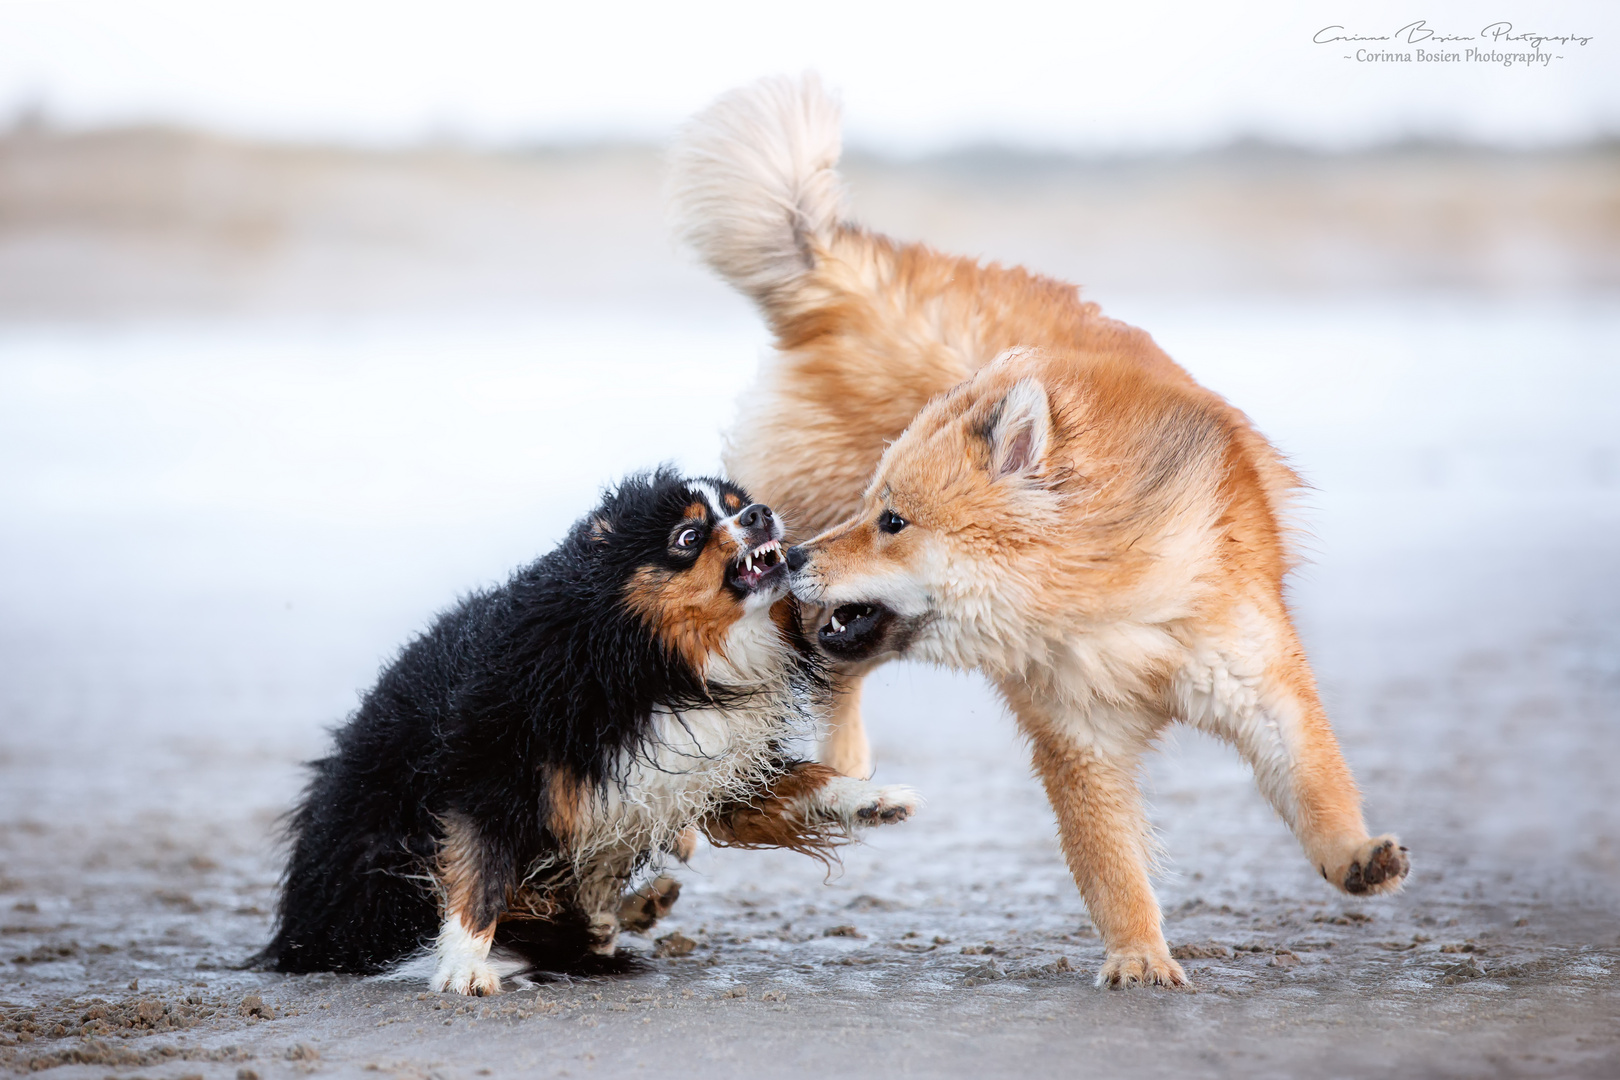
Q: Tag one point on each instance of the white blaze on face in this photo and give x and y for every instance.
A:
(755, 555)
(712, 497)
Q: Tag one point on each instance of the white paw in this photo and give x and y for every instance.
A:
(464, 966)
(462, 975)
(856, 802)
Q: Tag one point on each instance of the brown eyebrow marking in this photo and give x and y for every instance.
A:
(732, 502)
(699, 510)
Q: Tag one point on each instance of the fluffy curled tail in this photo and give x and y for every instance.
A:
(754, 183)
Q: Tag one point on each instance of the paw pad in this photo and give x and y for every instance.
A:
(1384, 863)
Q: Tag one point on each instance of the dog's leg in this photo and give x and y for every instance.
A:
(601, 896)
(855, 803)
(845, 747)
(641, 910)
(1267, 707)
(1091, 782)
(807, 808)
(473, 878)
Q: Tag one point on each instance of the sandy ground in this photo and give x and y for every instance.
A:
(212, 532)
(138, 876)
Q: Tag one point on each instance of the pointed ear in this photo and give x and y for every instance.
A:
(1018, 430)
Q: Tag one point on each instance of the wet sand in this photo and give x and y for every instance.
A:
(138, 876)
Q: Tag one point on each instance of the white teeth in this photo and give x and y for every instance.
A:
(838, 627)
(768, 548)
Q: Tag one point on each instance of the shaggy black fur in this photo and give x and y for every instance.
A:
(547, 674)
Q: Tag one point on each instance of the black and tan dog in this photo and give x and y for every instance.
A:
(522, 762)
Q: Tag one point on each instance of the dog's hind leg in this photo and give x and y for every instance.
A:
(1259, 695)
(474, 878)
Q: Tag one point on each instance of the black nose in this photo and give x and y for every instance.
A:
(757, 516)
(796, 558)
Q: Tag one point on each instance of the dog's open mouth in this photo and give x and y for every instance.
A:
(755, 568)
(854, 629)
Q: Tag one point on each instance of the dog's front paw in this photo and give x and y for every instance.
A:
(460, 975)
(1145, 965)
(889, 805)
(857, 803)
(1378, 866)
(603, 931)
(641, 910)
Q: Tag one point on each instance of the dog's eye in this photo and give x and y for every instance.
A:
(891, 522)
(688, 539)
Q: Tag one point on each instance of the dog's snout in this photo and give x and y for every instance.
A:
(757, 516)
(796, 558)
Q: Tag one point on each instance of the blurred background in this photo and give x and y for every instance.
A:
(314, 316)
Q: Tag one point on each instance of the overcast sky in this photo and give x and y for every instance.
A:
(1122, 75)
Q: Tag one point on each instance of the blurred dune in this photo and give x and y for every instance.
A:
(152, 222)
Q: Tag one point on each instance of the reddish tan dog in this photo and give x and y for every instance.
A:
(998, 478)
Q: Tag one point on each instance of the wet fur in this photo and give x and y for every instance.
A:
(520, 762)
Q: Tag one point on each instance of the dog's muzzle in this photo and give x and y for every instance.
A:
(851, 631)
(856, 631)
(758, 565)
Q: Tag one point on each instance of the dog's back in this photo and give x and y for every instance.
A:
(364, 834)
